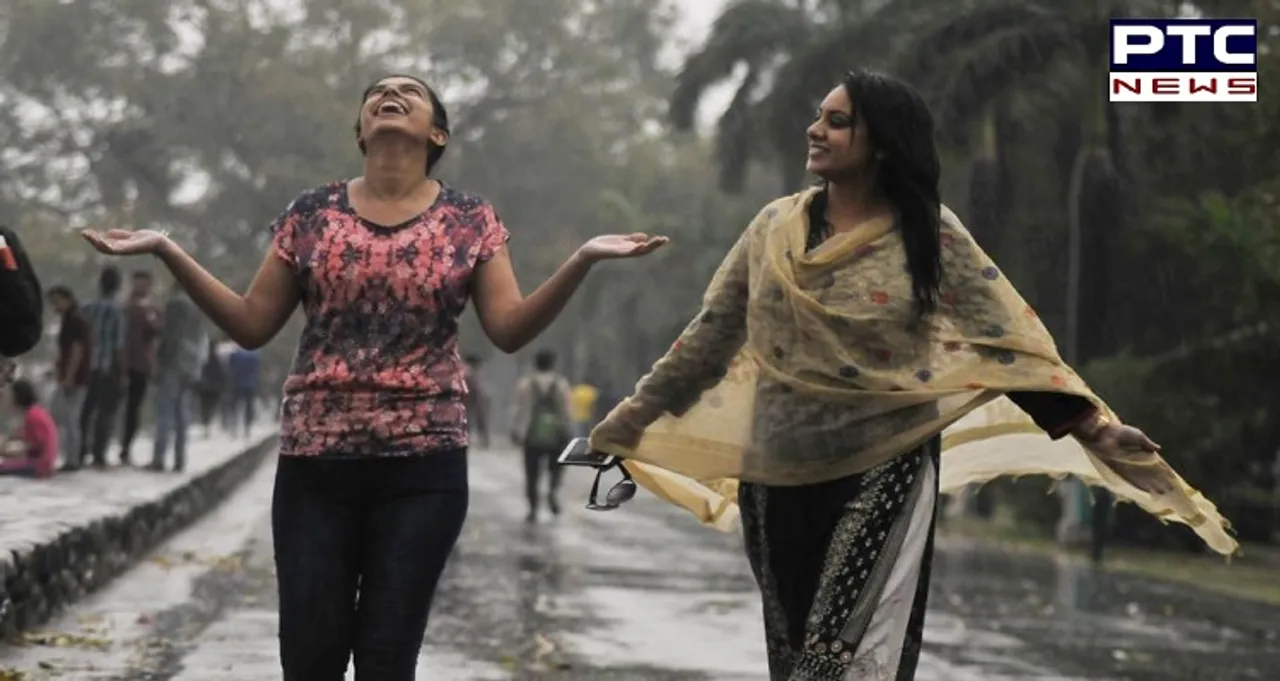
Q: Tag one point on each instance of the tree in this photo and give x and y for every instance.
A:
(556, 104)
(785, 55)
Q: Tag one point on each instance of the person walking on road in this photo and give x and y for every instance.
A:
(142, 326)
(584, 396)
(477, 399)
(244, 367)
(211, 388)
(542, 426)
(107, 326)
(180, 354)
(226, 404)
(70, 372)
(371, 483)
(850, 324)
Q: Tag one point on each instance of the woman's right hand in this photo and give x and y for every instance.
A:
(625, 425)
(126, 242)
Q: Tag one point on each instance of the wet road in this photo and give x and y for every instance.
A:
(638, 594)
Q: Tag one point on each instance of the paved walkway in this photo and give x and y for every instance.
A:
(34, 511)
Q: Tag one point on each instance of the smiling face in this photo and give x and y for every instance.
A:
(838, 140)
(399, 106)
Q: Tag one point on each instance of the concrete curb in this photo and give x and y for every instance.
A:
(36, 583)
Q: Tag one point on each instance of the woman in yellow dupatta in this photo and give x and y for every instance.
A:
(848, 327)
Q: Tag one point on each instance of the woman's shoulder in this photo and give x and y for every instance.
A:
(317, 198)
(952, 226)
(463, 201)
(791, 202)
(780, 210)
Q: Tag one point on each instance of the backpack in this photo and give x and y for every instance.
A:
(547, 428)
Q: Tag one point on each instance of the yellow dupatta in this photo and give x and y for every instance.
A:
(807, 366)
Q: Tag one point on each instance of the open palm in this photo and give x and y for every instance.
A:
(124, 241)
(609, 246)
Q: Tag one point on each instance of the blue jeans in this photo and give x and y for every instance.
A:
(172, 417)
(360, 545)
(65, 408)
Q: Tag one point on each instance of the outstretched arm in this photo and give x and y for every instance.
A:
(509, 318)
(988, 303)
(1058, 414)
(251, 319)
(700, 357)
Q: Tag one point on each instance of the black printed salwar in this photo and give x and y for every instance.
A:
(843, 569)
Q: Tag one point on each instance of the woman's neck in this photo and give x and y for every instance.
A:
(852, 203)
(395, 171)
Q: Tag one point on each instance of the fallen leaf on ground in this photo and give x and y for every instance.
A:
(64, 640)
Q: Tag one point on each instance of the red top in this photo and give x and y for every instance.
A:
(377, 372)
(41, 438)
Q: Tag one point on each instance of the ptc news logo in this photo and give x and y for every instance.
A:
(1184, 60)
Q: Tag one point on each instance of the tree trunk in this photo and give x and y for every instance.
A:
(1092, 219)
(986, 219)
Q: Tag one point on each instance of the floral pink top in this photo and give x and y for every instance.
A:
(377, 371)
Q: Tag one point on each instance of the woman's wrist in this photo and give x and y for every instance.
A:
(636, 414)
(581, 259)
(1091, 428)
(167, 249)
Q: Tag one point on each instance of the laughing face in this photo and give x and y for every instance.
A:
(399, 106)
(837, 139)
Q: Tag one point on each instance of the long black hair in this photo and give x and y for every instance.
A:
(900, 134)
(440, 117)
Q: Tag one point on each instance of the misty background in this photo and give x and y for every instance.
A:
(581, 117)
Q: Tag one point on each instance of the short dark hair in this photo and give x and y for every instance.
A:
(109, 280)
(61, 291)
(545, 360)
(24, 393)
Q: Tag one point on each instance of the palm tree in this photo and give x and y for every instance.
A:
(787, 54)
(1059, 49)
(991, 51)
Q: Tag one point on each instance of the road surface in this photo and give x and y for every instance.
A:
(642, 593)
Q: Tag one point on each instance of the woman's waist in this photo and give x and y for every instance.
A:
(373, 396)
(390, 383)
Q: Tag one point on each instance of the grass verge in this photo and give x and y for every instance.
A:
(1243, 577)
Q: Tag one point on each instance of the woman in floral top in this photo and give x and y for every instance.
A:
(371, 488)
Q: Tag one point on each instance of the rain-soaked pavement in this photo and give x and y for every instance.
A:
(638, 594)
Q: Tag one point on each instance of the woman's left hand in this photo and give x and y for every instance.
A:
(1127, 451)
(1121, 439)
(609, 246)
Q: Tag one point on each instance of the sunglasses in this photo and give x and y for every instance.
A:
(621, 492)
